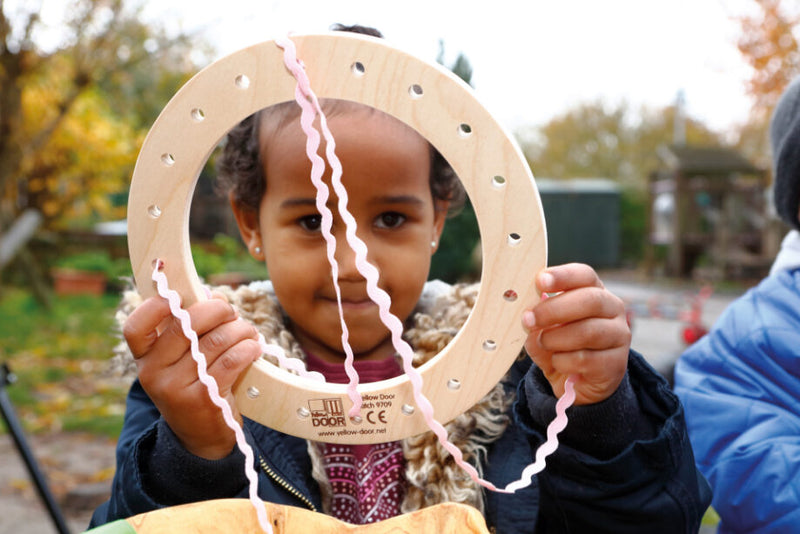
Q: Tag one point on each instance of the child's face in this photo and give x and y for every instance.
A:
(386, 172)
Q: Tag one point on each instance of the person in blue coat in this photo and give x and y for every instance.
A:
(740, 384)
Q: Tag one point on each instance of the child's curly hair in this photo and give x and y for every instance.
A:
(240, 169)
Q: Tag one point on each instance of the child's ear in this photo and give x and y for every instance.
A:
(248, 222)
(439, 216)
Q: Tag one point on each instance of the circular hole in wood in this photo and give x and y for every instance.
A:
(415, 91)
(242, 81)
(358, 68)
(198, 115)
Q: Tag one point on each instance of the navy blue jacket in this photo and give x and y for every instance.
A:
(624, 465)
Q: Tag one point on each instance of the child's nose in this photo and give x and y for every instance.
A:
(346, 258)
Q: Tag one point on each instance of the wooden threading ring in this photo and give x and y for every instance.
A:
(441, 108)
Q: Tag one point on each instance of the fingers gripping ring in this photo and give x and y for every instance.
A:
(442, 109)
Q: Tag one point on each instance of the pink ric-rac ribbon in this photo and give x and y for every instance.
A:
(308, 112)
(310, 106)
(182, 315)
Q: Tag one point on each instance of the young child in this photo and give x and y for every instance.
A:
(741, 384)
(624, 463)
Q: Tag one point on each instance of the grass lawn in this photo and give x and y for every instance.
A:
(59, 357)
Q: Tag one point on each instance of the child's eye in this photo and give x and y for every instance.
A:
(310, 223)
(390, 219)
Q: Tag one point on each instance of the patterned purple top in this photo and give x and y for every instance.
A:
(367, 480)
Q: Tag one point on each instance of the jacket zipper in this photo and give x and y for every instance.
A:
(285, 485)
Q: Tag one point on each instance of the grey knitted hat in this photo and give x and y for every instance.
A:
(784, 134)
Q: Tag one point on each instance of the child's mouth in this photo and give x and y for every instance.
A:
(353, 304)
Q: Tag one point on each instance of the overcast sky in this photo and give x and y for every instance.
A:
(531, 59)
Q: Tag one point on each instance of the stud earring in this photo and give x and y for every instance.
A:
(257, 250)
(433, 244)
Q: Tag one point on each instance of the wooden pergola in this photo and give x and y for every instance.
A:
(707, 206)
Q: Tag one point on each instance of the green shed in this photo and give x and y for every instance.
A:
(583, 220)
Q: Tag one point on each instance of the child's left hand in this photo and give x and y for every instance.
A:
(582, 331)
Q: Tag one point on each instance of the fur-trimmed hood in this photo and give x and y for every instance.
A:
(431, 473)
(789, 256)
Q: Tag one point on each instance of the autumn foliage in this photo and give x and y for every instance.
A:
(768, 45)
(84, 161)
(75, 107)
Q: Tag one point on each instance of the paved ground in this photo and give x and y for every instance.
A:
(659, 338)
(79, 468)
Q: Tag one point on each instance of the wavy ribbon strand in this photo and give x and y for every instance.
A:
(308, 113)
(305, 96)
(182, 315)
(290, 364)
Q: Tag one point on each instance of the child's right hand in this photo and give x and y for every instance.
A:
(168, 373)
